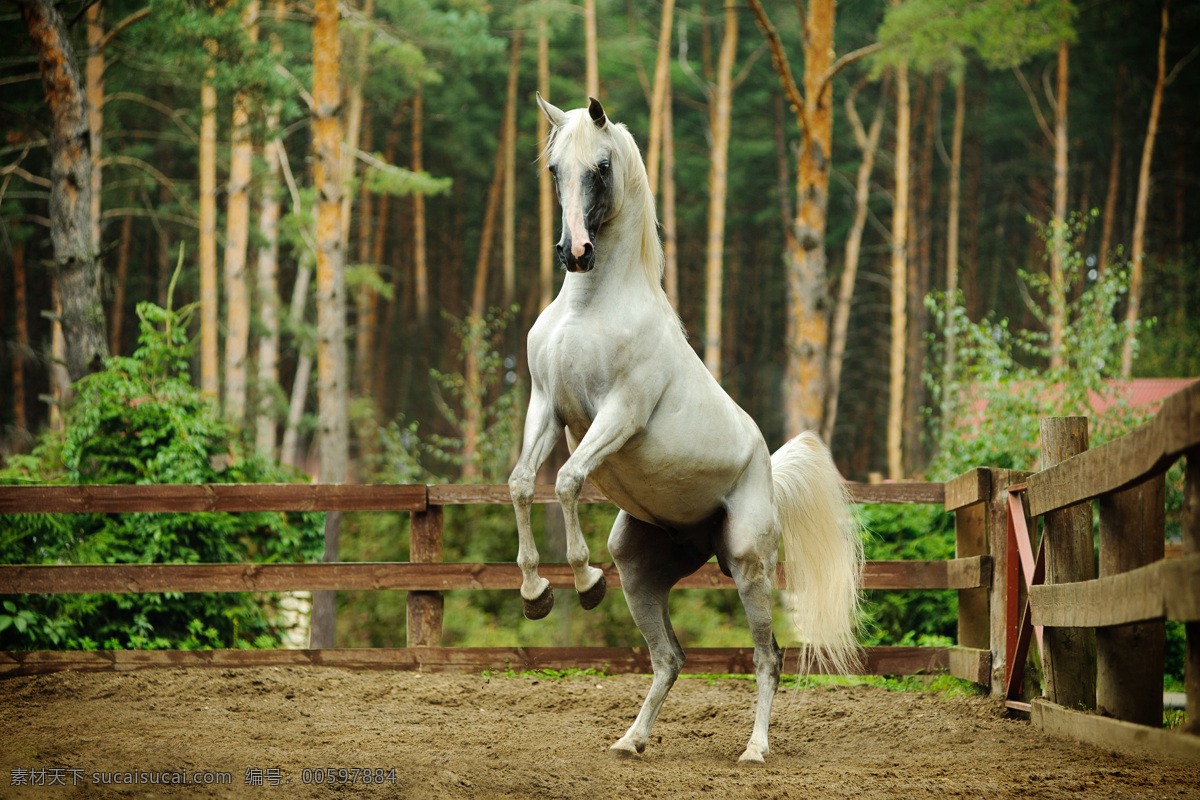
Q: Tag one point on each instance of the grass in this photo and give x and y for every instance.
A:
(546, 674)
(941, 683)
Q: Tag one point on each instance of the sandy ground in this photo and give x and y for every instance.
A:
(278, 732)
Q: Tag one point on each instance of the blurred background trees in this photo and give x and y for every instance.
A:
(205, 122)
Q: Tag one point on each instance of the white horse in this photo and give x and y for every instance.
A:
(644, 419)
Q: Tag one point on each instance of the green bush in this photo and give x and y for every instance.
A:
(140, 421)
(909, 533)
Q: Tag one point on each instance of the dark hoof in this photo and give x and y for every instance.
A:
(539, 608)
(592, 597)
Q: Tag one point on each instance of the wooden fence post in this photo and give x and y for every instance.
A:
(997, 526)
(1130, 657)
(1070, 657)
(1191, 546)
(971, 539)
(425, 608)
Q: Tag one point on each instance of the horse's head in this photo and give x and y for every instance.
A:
(587, 157)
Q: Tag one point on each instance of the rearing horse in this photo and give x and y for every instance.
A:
(644, 419)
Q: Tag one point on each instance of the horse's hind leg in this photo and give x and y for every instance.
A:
(650, 564)
(750, 545)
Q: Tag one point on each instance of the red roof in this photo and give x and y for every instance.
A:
(1146, 394)
(1142, 392)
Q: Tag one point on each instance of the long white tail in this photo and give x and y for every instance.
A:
(823, 554)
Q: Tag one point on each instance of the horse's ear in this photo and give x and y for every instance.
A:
(596, 111)
(553, 113)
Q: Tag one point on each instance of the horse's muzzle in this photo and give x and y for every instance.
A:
(573, 263)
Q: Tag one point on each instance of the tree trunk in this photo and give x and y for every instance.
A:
(669, 223)
(972, 182)
(289, 448)
(1138, 248)
(332, 418)
(364, 295)
(22, 328)
(268, 290)
(807, 337)
(591, 48)
(353, 119)
(721, 103)
(379, 336)
(956, 148)
(60, 379)
(662, 80)
(420, 266)
(783, 171)
(546, 230)
(95, 110)
(163, 253)
(472, 411)
(1114, 174)
(808, 333)
(508, 242)
(1058, 225)
(920, 269)
(868, 142)
(75, 259)
(210, 382)
(119, 281)
(267, 278)
(237, 244)
(899, 279)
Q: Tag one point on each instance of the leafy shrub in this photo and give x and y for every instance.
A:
(140, 421)
(909, 533)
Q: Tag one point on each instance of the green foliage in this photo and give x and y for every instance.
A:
(944, 34)
(986, 409)
(140, 421)
(1171, 347)
(384, 178)
(909, 533)
(496, 399)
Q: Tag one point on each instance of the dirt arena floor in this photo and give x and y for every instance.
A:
(290, 732)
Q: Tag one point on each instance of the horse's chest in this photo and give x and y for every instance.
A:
(578, 374)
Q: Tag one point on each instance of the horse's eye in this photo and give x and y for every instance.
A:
(553, 170)
(603, 167)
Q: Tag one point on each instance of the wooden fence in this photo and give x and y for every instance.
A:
(1102, 646)
(425, 577)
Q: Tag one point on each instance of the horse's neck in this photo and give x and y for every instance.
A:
(619, 277)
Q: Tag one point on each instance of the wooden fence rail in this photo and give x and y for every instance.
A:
(425, 578)
(962, 573)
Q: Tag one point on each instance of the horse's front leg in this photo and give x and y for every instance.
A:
(541, 431)
(608, 433)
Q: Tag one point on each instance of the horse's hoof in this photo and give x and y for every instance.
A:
(592, 597)
(752, 756)
(623, 749)
(539, 608)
